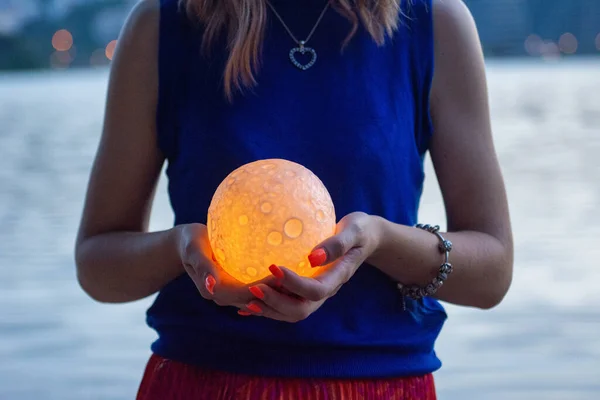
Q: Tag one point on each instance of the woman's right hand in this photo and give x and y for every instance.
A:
(212, 281)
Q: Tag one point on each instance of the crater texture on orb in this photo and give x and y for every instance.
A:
(269, 212)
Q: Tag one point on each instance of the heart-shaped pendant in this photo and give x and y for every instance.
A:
(303, 50)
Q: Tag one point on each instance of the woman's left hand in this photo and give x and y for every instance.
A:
(357, 237)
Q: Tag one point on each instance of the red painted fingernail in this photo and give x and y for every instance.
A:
(317, 257)
(244, 313)
(276, 271)
(254, 308)
(255, 290)
(210, 283)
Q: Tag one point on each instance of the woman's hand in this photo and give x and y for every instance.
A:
(212, 281)
(356, 239)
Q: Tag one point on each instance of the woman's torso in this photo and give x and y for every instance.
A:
(359, 120)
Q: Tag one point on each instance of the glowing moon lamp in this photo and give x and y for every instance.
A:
(269, 212)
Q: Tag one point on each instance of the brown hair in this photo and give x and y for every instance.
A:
(244, 23)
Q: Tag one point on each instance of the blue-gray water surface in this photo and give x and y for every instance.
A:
(543, 342)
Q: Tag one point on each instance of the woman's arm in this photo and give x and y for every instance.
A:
(467, 168)
(116, 259)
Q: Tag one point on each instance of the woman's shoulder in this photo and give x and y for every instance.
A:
(142, 25)
(148, 16)
(146, 13)
(153, 27)
(138, 38)
(446, 25)
(451, 15)
(456, 36)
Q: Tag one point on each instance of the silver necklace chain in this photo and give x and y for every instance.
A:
(289, 31)
(302, 49)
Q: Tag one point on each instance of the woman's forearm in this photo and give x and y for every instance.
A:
(119, 267)
(482, 263)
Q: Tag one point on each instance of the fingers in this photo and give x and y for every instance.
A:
(260, 309)
(196, 257)
(280, 302)
(336, 246)
(327, 281)
(272, 304)
(229, 291)
(307, 288)
(204, 276)
(215, 284)
(340, 271)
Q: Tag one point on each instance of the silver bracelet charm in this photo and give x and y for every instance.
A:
(415, 292)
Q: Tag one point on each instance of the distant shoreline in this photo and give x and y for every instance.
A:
(582, 61)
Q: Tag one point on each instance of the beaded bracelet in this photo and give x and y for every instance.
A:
(415, 292)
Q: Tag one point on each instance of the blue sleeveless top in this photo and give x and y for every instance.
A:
(359, 119)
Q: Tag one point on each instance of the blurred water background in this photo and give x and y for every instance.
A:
(543, 342)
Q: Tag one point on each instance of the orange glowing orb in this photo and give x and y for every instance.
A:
(269, 212)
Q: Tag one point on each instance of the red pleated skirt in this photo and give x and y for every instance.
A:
(170, 380)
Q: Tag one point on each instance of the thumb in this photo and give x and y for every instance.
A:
(203, 272)
(199, 261)
(332, 248)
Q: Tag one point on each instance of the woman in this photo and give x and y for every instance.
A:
(215, 84)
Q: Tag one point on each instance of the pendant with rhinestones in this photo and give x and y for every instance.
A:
(301, 49)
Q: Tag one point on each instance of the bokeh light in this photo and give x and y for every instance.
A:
(568, 43)
(60, 59)
(533, 45)
(110, 49)
(62, 40)
(550, 51)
